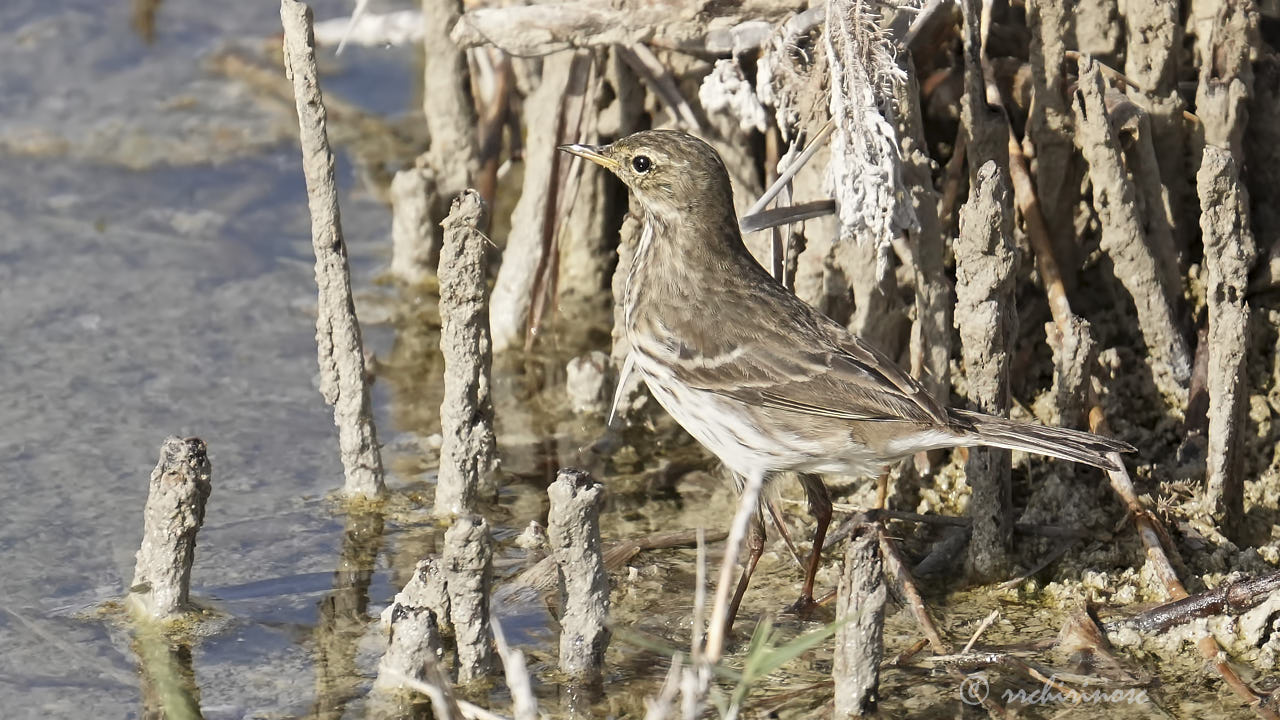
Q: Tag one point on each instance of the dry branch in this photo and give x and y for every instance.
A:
(1233, 598)
(340, 348)
(545, 28)
(1159, 547)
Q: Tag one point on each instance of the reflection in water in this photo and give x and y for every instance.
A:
(169, 690)
(344, 615)
(143, 19)
(579, 697)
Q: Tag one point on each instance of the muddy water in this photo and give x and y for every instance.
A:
(155, 279)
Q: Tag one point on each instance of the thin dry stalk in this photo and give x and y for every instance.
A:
(982, 627)
(343, 382)
(663, 706)
(524, 704)
(747, 507)
(788, 173)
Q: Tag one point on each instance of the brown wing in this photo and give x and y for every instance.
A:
(783, 354)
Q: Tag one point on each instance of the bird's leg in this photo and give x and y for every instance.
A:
(782, 530)
(755, 548)
(882, 490)
(820, 508)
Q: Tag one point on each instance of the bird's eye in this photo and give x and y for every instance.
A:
(641, 163)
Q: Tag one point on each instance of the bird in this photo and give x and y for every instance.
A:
(764, 381)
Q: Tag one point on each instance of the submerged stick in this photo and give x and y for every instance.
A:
(468, 453)
(860, 638)
(573, 525)
(468, 566)
(986, 260)
(340, 348)
(179, 488)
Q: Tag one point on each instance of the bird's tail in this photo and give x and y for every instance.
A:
(1074, 445)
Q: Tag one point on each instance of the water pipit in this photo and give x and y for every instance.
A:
(764, 381)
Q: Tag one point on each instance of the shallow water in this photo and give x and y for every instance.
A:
(156, 279)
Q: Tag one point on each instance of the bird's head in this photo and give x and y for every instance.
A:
(672, 174)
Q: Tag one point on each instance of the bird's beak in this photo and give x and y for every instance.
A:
(591, 153)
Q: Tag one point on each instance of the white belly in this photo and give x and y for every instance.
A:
(732, 432)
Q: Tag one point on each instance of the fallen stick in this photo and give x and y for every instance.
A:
(1232, 598)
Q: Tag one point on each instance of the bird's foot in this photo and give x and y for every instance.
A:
(803, 607)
